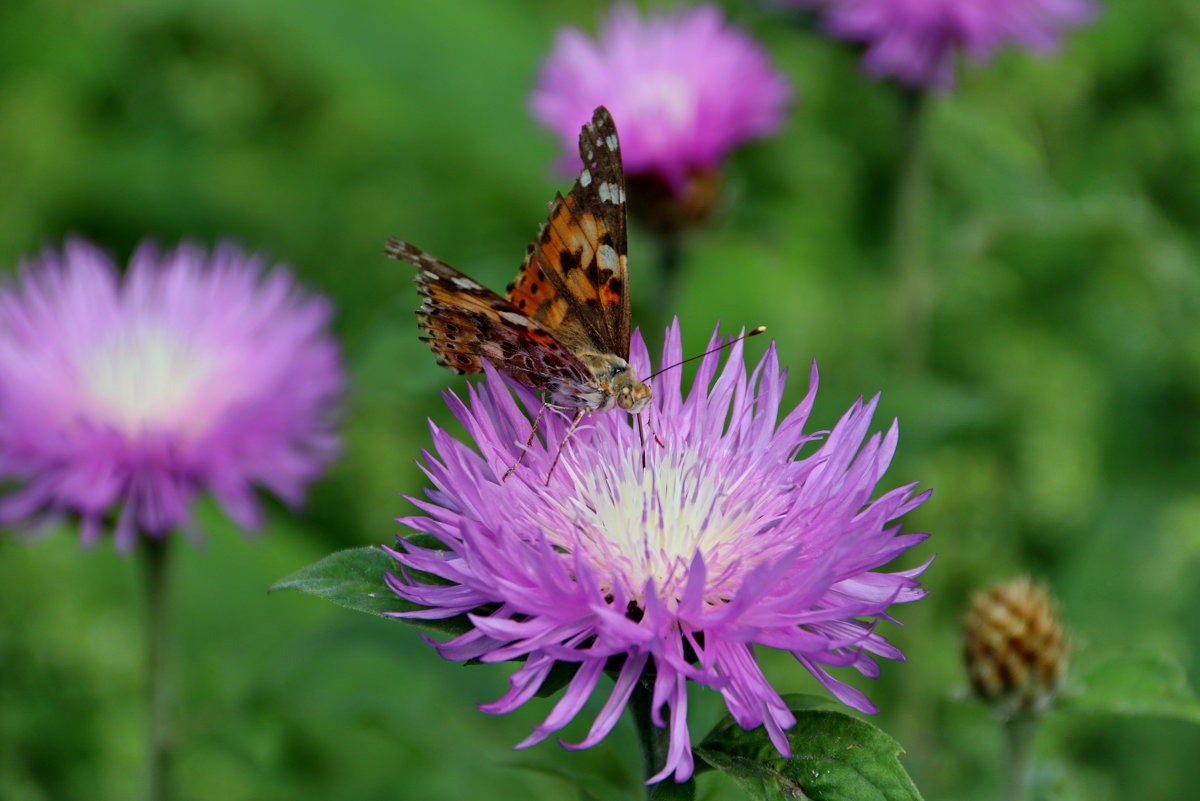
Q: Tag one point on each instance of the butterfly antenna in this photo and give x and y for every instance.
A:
(722, 346)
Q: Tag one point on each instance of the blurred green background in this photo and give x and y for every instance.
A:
(1057, 416)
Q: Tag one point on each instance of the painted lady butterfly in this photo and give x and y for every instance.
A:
(564, 328)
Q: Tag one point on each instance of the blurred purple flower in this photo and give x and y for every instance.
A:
(684, 89)
(680, 559)
(917, 41)
(121, 398)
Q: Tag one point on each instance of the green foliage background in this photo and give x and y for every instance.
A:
(1057, 417)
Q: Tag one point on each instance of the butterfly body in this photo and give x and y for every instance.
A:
(564, 327)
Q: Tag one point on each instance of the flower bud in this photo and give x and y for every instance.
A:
(667, 211)
(1015, 647)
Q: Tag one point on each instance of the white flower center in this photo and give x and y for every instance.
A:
(639, 524)
(666, 97)
(144, 377)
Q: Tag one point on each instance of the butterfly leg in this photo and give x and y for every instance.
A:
(641, 441)
(653, 433)
(642, 438)
(529, 442)
(578, 416)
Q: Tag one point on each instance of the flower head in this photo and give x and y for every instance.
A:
(122, 397)
(677, 559)
(684, 90)
(1015, 647)
(917, 41)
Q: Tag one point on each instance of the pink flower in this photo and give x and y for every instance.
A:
(917, 41)
(684, 89)
(122, 398)
(677, 560)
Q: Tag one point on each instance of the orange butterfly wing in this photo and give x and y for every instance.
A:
(575, 276)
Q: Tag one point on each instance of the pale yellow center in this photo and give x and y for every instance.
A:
(644, 524)
(145, 377)
(665, 96)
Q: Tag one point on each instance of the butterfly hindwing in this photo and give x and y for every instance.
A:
(574, 278)
(464, 322)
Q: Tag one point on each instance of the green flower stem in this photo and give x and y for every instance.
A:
(914, 279)
(154, 562)
(1019, 732)
(670, 260)
(655, 742)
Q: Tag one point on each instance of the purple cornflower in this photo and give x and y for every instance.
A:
(122, 398)
(684, 90)
(680, 559)
(917, 41)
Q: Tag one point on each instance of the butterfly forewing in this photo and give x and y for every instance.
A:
(574, 280)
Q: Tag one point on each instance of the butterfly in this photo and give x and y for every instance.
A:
(563, 329)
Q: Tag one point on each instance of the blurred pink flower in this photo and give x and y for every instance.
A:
(121, 398)
(917, 41)
(684, 89)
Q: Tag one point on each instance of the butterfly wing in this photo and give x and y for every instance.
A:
(574, 279)
(464, 322)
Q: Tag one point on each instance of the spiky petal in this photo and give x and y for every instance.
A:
(741, 530)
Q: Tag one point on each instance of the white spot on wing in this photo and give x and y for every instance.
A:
(585, 178)
(606, 257)
(611, 193)
(429, 275)
(612, 141)
(513, 317)
(462, 282)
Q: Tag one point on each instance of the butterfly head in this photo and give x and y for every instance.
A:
(632, 394)
(616, 383)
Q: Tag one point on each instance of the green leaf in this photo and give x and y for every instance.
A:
(835, 757)
(1150, 685)
(354, 578)
(560, 676)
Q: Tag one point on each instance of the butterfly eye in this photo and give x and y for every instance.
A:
(618, 369)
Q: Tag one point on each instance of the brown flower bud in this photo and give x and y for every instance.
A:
(1015, 647)
(664, 210)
